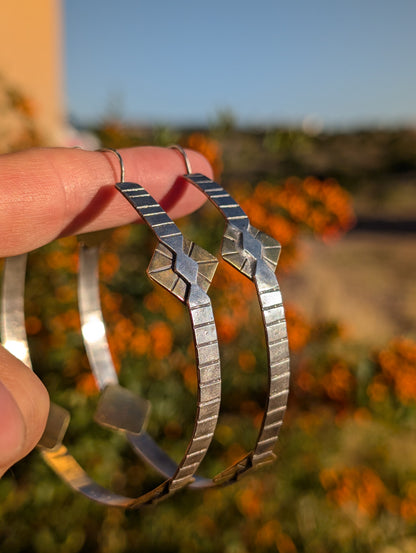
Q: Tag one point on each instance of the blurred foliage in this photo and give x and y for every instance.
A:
(224, 124)
(345, 478)
(18, 129)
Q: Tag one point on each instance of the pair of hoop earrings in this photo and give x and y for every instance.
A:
(186, 271)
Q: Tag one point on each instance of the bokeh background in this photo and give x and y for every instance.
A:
(307, 114)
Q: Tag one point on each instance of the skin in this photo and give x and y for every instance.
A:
(49, 193)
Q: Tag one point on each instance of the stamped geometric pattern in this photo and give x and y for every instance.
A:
(255, 255)
(186, 276)
(186, 270)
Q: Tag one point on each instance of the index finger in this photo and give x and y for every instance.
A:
(53, 192)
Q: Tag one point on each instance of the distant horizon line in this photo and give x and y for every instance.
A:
(241, 125)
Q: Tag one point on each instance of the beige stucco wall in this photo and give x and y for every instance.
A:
(31, 59)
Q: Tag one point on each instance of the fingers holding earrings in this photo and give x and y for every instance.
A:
(59, 191)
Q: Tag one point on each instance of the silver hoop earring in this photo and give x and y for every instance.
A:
(186, 271)
(255, 255)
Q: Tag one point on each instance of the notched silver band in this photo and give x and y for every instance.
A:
(53, 451)
(255, 255)
(186, 271)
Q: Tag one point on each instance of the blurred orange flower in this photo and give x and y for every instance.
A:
(33, 325)
(338, 382)
(358, 487)
(87, 385)
(298, 329)
(267, 534)
(249, 502)
(109, 264)
(226, 326)
(247, 360)
(398, 367)
(284, 544)
(190, 378)
(283, 211)
(161, 339)
(69, 320)
(140, 342)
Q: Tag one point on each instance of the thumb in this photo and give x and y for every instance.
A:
(24, 406)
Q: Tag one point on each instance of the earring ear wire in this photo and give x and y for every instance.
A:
(184, 155)
(120, 159)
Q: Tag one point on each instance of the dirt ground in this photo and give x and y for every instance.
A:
(367, 281)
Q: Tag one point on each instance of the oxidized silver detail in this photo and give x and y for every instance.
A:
(186, 276)
(186, 271)
(160, 269)
(255, 255)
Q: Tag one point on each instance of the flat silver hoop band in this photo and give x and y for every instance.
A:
(188, 280)
(14, 339)
(101, 362)
(255, 255)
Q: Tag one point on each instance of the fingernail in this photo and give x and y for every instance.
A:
(12, 428)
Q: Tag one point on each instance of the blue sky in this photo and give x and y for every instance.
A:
(168, 62)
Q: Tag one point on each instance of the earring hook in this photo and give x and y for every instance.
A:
(115, 152)
(185, 156)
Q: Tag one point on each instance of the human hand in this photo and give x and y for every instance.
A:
(48, 193)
